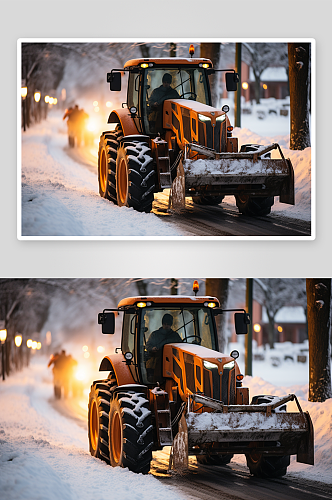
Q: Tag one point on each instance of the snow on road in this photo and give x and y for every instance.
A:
(45, 456)
(60, 196)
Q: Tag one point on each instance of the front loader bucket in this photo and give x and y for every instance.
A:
(237, 173)
(240, 428)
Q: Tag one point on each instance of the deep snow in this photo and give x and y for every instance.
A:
(44, 455)
(60, 196)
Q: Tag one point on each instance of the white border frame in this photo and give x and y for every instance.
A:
(312, 236)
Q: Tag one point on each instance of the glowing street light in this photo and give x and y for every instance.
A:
(86, 355)
(3, 335)
(100, 349)
(85, 348)
(108, 104)
(18, 340)
(24, 92)
(245, 85)
(34, 345)
(37, 96)
(47, 99)
(280, 329)
(95, 103)
(29, 343)
(257, 328)
(38, 346)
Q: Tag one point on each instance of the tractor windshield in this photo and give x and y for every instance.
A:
(164, 326)
(170, 83)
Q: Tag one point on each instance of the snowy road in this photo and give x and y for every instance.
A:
(44, 454)
(60, 198)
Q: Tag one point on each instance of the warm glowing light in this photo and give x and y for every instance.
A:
(79, 374)
(100, 349)
(48, 338)
(86, 355)
(264, 86)
(144, 65)
(24, 91)
(191, 50)
(280, 329)
(205, 65)
(96, 109)
(257, 327)
(38, 346)
(195, 286)
(3, 335)
(50, 100)
(47, 98)
(85, 348)
(212, 304)
(55, 100)
(91, 126)
(18, 340)
(245, 85)
(141, 304)
(95, 103)
(34, 345)
(108, 104)
(29, 343)
(37, 96)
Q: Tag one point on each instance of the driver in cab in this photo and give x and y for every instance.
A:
(157, 340)
(158, 96)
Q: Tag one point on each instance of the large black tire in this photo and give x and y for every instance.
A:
(254, 207)
(130, 431)
(214, 459)
(207, 200)
(108, 146)
(135, 175)
(267, 466)
(98, 417)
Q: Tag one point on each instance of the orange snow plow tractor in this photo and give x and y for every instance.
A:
(168, 385)
(170, 136)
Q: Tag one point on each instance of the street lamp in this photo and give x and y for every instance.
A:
(3, 336)
(18, 340)
(24, 93)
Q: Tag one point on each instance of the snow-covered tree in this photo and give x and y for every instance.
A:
(218, 287)
(299, 87)
(264, 55)
(319, 332)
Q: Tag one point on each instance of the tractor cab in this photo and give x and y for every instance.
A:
(151, 82)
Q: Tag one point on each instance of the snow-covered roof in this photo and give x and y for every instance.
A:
(270, 75)
(287, 315)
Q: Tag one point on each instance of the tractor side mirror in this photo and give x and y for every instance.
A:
(114, 79)
(232, 80)
(242, 320)
(107, 320)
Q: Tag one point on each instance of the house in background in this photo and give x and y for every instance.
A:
(290, 325)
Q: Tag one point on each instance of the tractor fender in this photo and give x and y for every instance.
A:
(117, 364)
(123, 117)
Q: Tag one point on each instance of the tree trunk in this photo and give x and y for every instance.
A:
(145, 50)
(212, 51)
(270, 329)
(172, 49)
(257, 87)
(299, 76)
(319, 331)
(218, 287)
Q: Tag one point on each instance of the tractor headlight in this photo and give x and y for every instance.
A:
(209, 366)
(204, 118)
(229, 366)
(221, 118)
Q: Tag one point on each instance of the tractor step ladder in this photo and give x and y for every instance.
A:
(165, 431)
